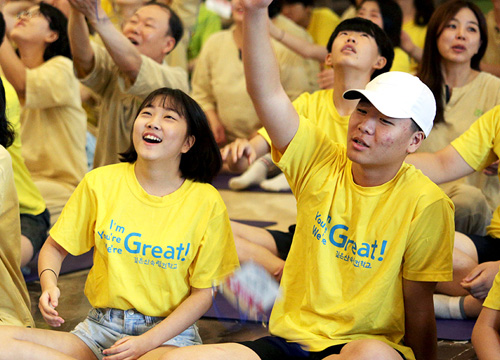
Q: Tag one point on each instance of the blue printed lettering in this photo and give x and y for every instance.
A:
(136, 243)
(343, 237)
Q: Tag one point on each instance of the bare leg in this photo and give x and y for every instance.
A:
(26, 250)
(212, 352)
(157, 353)
(464, 260)
(22, 343)
(258, 245)
(367, 349)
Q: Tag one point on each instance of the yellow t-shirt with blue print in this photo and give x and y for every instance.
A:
(148, 250)
(353, 246)
(319, 108)
(479, 147)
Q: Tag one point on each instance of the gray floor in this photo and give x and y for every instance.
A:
(280, 208)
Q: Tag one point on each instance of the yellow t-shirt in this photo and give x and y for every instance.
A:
(479, 147)
(323, 22)
(402, 61)
(30, 199)
(54, 124)
(14, 297)
(417, 34)
(120, 99)
(492, 301)
(320, 109)
(353, 245)
(148, 250)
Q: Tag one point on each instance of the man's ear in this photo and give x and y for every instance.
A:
(381, 61)
(168, 44)
(416, 140)
(328, 60)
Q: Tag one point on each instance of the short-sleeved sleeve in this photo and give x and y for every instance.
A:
(480, 145)
(309, 149)
(153, 75)
(428, 256)
(74, 230)
(101, 75)
(216, 256)
(493, 299)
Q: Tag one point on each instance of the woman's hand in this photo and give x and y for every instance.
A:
(130, 347)
(47, 304)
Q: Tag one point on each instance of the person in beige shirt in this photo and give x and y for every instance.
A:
(126, 70)
(53, 122)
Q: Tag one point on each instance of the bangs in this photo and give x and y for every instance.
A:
(166, 101)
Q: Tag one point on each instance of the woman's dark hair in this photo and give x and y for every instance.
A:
(274, 8)
(175, 27)
(430, 68)
(6, 130)
(203, 161)
(59, 24)
(384, 44)
(423, 11)
(392, 18)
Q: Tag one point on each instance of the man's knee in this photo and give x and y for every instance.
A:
(472, 212)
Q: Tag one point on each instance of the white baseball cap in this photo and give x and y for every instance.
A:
(399, 95)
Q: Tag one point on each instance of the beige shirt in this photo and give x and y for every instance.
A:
(305, 71)
(466, 105)
(53, 123)
(14, 297)
(121, 100)
(219, 84)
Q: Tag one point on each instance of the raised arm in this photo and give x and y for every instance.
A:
(442, 166)
(78, 34)
(302, 47)
(122, 51)
(13, 68)
(271, 102)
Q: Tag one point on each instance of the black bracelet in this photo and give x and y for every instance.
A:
(40, 275)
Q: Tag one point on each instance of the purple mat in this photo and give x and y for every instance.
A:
(223, 310)
(456, 330)
(221, 183)
(70, 264)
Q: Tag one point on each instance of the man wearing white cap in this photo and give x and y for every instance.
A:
(373, 234)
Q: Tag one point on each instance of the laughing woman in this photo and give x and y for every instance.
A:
(161, 239)
(53, 122)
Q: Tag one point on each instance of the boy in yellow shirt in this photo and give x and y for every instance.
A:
(373, 234)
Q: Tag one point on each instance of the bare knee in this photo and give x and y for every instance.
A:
(369, 349)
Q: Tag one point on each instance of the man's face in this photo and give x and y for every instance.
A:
(355, 49)
(376, 140)
(147, 30)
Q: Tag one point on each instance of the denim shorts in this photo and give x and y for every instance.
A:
(103, 327)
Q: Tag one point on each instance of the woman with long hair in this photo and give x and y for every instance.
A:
(455, 44)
